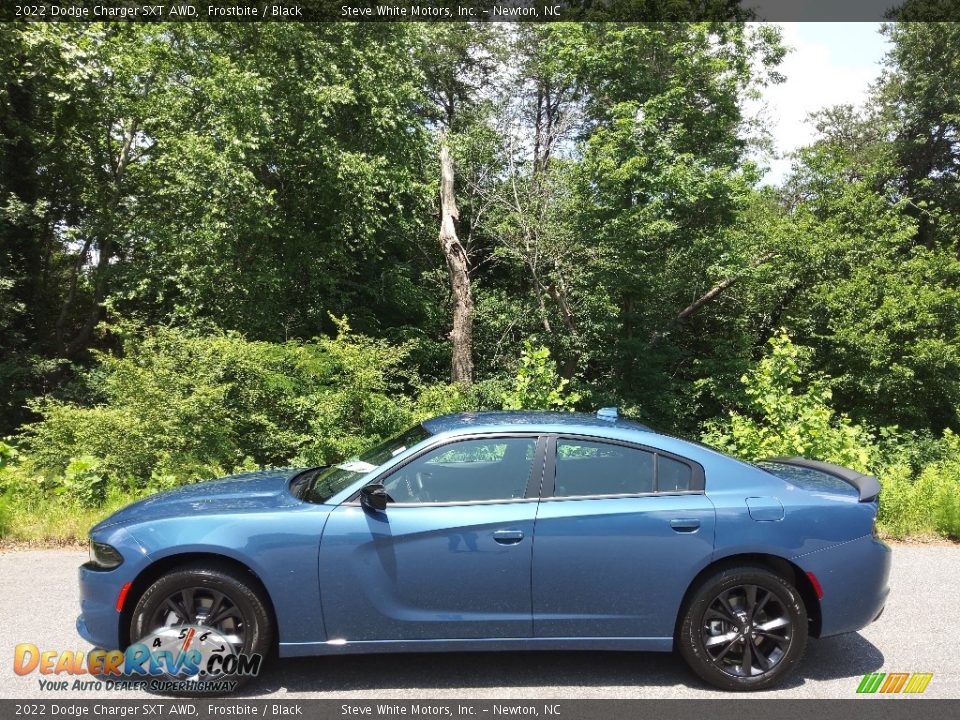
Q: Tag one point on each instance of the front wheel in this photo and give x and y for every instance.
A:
(205, 597)
(744, 629)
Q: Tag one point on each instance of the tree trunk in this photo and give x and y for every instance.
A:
(461, 336)
(105, 248)
(713, 292)
(709, 296)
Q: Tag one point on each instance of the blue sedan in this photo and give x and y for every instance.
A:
(505, 531)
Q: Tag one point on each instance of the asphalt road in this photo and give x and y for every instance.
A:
(917, 633)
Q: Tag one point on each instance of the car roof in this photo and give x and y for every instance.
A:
(539, 420)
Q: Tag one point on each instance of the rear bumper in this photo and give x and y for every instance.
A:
(854, 577)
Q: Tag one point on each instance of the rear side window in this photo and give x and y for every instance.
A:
(588, 468)
(585, 468)
(673, 475)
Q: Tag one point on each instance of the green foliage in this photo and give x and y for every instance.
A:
(444, 399)
(5, 516)
(7, 453)
(927, 503)
(37, 518)
(177, 407)
(83, 481)
(784, 416)
(537, 386)
(230, 186)
(877, 305)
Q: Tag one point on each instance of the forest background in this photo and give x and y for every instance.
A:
(226, 247)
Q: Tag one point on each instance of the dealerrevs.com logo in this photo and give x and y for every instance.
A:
(892, 683)
(180, 658)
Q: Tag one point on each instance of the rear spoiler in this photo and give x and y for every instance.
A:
(867, 485)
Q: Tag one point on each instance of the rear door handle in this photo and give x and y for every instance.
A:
(685, 525)
(508, 537)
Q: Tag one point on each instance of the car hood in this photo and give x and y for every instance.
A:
(263, 490)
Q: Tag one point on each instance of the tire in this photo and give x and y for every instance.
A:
(718, 625)
(249, 622)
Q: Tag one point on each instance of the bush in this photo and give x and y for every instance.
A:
(7, 454)
(434, 400)
(784, 417)
(5, 516)
(920, 475)
(84, 482)
(537, 385)
(928, 503)
(177, 407)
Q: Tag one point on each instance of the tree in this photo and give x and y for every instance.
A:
(919, 93)
(458, 268)
(240, 178)
(456, 59)
(661, 187)
(289, 184)
(874, 262)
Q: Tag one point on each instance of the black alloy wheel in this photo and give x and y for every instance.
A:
(202, 606)
(222, 598)
(747, 631)
(744, 628)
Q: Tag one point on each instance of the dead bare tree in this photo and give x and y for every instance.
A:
(458, 269)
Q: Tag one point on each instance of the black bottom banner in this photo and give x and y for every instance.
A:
(874, 708)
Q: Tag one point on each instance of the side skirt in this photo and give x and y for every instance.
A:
(346, 647)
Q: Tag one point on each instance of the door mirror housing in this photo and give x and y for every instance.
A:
(374, 496)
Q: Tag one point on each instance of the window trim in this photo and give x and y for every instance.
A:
(534, 479)
(697, 476)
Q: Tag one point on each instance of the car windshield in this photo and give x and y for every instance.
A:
(329, 481)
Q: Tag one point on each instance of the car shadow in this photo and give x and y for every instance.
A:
(842, 656)
(833, 658)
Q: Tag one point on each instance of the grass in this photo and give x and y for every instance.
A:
(924, 505)
(52, 521)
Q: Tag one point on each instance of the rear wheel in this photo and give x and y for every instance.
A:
(221, 599)
(744, 629)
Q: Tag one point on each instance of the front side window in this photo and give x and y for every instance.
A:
(466, 471)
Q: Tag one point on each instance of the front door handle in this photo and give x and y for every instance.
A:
(685, 525)
(508, 537)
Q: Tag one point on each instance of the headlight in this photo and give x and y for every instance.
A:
(103, 556)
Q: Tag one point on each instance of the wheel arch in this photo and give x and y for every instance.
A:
(776, 564)
(152, 572)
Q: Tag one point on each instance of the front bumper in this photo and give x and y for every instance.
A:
(99, 619)
(854, 577)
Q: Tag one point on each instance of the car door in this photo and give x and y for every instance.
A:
(620, 532)
(450, 555)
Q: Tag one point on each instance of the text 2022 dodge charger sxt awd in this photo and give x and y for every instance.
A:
(505, 531)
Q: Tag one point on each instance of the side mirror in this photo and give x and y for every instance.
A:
(375, 497)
